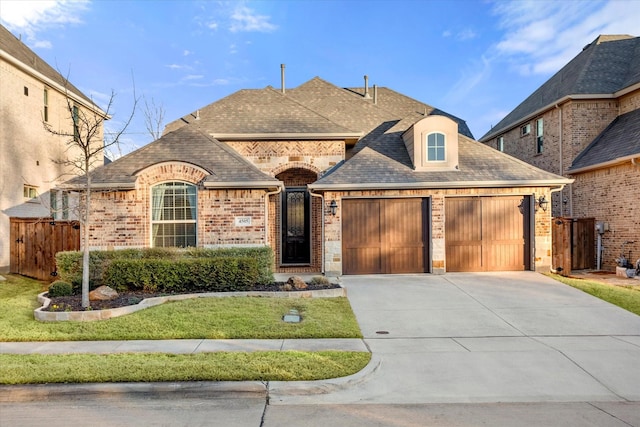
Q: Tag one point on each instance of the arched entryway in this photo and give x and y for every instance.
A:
(297, 225)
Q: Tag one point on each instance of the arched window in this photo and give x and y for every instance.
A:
(173, 215)
(436, 147)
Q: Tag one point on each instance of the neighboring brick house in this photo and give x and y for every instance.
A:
(335, 180)
(32, 93)
(583, 123)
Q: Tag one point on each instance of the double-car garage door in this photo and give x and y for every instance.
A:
(392, 235)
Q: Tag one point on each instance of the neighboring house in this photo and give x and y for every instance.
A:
(335, 180)
(32, 93)
(584, 123)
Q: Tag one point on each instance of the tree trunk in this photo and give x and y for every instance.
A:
(85, 253)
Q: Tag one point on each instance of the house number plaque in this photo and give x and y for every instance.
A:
(243, 221)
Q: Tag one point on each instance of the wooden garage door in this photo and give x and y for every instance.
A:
(487, 233)
(384, 236)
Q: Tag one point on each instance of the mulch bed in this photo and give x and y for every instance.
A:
(74, 302)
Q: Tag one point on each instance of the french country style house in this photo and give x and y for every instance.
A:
(584, 123)
(336, 180)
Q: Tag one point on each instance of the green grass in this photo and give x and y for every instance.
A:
(626, 297)
(153, 367)
(211, 318)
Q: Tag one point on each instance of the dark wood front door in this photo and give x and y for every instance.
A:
(296, 242)
(385, 236)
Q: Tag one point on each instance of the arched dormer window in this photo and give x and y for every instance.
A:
(436, 148)
(173, 215)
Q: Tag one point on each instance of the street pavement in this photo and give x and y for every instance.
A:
(456, 349)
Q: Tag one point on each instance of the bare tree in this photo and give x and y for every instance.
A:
(153, 118)
(85, 150)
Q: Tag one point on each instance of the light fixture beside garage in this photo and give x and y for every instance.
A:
(542, 203)
(333, 207)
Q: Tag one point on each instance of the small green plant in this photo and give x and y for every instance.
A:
(60, 288)
(319, 281)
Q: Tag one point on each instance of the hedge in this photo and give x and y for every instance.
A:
(170, 269)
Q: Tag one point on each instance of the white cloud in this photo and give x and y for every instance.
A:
(28, 17)
(193, 77)
(212, 25)
(245, 19)
(177, 67)
(466, 34)
(541, 37)
(187, 52)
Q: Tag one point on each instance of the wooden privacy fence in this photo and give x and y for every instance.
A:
(34, 243)
(573, 244)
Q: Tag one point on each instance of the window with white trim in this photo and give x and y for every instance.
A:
(436, 149)
(525, 130)
(45, 114)
(30, 191)
(539, 136)
(173, 215)
(500, 143)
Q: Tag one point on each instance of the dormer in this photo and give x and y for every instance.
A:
(432, 144)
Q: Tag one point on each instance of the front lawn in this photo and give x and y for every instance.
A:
(154, 367)
(210, 318)
(626, 297)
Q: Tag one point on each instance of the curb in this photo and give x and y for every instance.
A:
(200, 389)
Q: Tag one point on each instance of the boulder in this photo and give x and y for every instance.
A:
(297, 282)
(103, 293)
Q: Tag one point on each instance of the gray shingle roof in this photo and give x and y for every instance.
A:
(607, 65)
(18, 50)
(386, 163)
(621, 139)
(259, 111)
(189, 145)
(380, 158)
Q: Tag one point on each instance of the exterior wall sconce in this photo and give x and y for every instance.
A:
(333, 207)
(542, 203)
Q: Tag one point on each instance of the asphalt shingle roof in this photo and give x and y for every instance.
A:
(317, 106)
(386, 162)
(607, 65)
(18, 50)
(186, 144)
(259, 111)
(619, 140)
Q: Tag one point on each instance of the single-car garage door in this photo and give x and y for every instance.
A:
(384, 236)
(487, 233)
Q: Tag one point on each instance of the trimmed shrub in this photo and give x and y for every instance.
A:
(60, 288)
(319, 281)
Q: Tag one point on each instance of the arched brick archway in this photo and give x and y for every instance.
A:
(298, 218)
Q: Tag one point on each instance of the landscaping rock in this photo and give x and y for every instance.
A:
(297, 282)
(103, 293)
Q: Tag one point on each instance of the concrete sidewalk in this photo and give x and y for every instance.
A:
(188, 346)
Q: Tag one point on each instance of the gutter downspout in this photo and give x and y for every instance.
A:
(266, 213)
(561, 162)
(321, 197)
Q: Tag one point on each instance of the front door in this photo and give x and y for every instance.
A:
(296, 244)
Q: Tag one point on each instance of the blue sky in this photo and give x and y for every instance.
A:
(474, 59)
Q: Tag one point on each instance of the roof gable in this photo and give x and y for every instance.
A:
(608, 65)
(620, 140)
(188, 145)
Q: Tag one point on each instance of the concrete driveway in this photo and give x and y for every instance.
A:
(487, 337)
